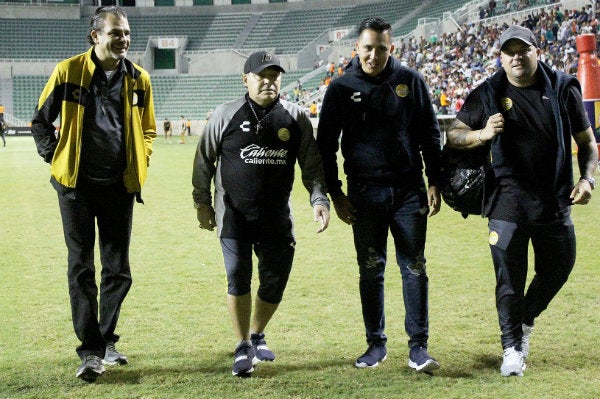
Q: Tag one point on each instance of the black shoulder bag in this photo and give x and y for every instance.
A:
(467, 179)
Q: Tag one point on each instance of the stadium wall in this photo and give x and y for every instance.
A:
(15, 11)
(15, 67)
(146, 7)
(226, 62)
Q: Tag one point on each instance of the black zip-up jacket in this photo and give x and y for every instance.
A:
(386, 123)
(556, 88)
(253, 168)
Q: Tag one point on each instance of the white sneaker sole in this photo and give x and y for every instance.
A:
(513, 371)
(363, 365)
(429, 365)
(256, 360)
(245, 373)
(120, 362)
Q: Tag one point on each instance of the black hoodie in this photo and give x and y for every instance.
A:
(387, 122)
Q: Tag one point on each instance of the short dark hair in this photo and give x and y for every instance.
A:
(97, 20)
(375, 23)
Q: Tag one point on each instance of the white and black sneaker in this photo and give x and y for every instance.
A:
(419, 359)
(512, 363)
(374, 354)
(242, 360)
(262, 353)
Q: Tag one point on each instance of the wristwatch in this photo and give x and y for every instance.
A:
(590, 180)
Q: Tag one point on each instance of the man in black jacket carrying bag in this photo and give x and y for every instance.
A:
(529, 113)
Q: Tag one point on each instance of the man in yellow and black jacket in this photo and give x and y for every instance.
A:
(98, 164)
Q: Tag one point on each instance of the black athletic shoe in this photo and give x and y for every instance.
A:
(375, 353)
(419, 359)
(242, 360)
(262, 353)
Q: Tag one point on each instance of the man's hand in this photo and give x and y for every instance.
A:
(321, 214)
(582, 193)
(344, 209)
(206, 216)
(434, 200)
(493, 127)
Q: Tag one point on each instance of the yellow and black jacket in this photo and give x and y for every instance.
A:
(65, 94)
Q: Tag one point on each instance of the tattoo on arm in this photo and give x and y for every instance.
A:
(587, 154)
(457, 134)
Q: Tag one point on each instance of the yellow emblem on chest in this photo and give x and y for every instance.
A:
(402, 90)
(283, 134)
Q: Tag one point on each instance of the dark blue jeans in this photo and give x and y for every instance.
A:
(554, 250)
(111, 207)
(403, 211)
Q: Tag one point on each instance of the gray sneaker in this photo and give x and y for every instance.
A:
(527, 330)
(90, 369)
(113, 357)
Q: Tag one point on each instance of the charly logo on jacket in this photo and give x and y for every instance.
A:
(402, 90)
(506, 103)
(256, 154)
(245, 126)
(283, 134)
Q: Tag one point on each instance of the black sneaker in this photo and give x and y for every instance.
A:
(90, 369)
(112, 356)
(375, 353)
(242, 360)
(419, 359)
(262, 353)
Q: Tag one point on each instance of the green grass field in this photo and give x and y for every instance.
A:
(177, 334)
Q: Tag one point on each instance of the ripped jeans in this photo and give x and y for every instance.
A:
(403, 211)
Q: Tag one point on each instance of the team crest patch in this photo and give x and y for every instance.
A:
(506, 103)
(493, 238)
(402, 90)
(283, 134)
(76, 93)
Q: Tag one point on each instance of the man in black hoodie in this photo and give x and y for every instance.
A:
(387, 119)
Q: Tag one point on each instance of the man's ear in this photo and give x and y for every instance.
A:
(94, 36)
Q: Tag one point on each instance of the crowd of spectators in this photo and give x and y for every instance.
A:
(495, 8)
(454, 63)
